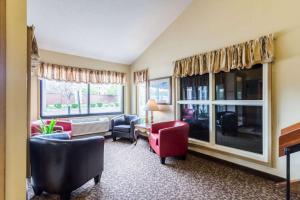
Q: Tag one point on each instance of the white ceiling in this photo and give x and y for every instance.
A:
(112, 30)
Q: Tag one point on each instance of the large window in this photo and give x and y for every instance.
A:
(141, 100)
(228, 111)
(197, 115)
(76, 99)
(106, 98)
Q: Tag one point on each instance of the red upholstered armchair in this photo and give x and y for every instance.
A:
(60, 125)
(169, 139)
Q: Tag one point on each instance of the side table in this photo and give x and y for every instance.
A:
(142, 129)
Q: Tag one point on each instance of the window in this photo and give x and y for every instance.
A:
(195, 87)
(78, 99)
(64, 98)
(228, 111)
(239, 126)
(106, 98)
(239, 84)
(141, 100)
(197, 115)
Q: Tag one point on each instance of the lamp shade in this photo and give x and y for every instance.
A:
(151, 105)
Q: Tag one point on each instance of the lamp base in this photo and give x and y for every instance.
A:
(147, 117)
(151, 117)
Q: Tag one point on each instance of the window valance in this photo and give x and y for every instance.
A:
(239, 56)
(140, 76)
(76, 74)
(33, 46)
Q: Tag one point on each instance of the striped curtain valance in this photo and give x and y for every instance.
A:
(79, 75)
(140, 76)
(239, 56)
(33, 47)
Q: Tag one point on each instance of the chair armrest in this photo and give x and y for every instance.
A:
(86, 152)
(170, 132)
(155, 127)
(60, 136)
(58, 129)
(35, 128)
(67, 125)
(173, 137)
(133, 122)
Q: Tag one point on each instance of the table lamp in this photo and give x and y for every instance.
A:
(151, 106)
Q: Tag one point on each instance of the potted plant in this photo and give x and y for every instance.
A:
(47, 128)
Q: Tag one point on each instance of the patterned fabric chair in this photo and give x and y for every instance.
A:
(123, 126)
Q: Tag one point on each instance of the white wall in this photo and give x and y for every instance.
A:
(204, 26)
(16, 102)
(211, 24)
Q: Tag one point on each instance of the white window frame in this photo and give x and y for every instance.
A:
(265, 103)
(138, 109)
(89, 113)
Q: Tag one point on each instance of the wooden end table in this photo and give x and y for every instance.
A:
(142, 129)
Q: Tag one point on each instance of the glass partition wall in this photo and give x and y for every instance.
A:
(228, 111)
(194, 89)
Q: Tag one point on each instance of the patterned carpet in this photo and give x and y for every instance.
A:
(133, 172)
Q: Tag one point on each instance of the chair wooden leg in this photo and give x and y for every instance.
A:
(163, 160)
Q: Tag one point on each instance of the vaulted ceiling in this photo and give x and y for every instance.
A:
(112, 30)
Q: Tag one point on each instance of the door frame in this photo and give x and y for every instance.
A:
(2, 95)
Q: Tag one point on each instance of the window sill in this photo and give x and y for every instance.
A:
(245, 155)
(82, 115)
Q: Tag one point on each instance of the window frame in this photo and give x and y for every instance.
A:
(88, 108)
(138, 96)
(265, 103)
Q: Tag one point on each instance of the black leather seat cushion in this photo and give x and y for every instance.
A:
(122, 128)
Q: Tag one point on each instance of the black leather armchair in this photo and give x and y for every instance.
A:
(60, 166)
(123, 126)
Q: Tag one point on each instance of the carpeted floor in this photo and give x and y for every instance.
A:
(133, 172)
